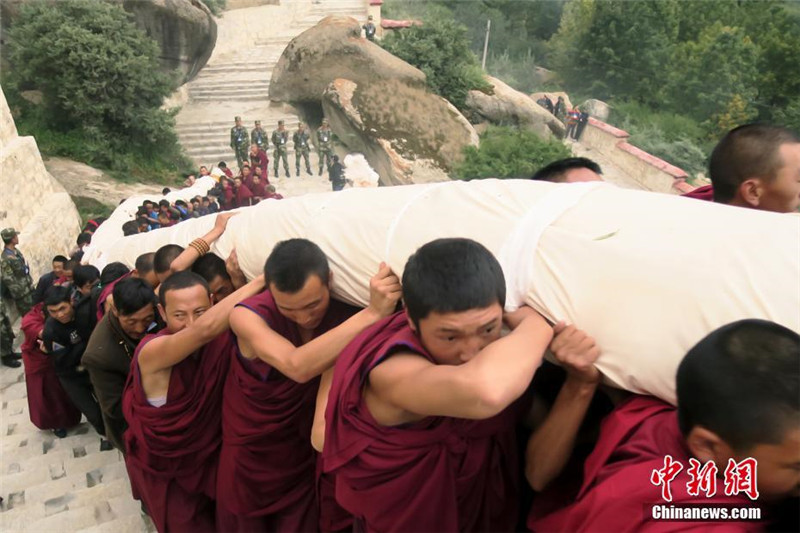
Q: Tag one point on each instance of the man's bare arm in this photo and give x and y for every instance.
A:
(301, 364)
(318, 429)
(169, 350)
(551, 444)
(477, 389)
(190, 255)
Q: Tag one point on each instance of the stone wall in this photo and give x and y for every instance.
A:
(241, 4)
(32, 201)
(649, 171)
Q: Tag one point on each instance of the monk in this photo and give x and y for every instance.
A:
(172, 403)
(287, 336)
(421, 415)
(49, 406)
(755, 166)
(244, 196)
(738, 397)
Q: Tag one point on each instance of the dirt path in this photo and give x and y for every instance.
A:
(82, 180)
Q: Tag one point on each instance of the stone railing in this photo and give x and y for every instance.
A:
(651, 172)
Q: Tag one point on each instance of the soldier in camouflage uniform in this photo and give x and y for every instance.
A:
(240, 142)
(280, 140)
(16, 284)
(259, 137)
(301, 149)
(325, 145)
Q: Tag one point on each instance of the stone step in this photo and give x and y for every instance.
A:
(223, 133)
(248, 98)
(236, 67)
(232, 92)
(268, 124)
(221, 152)
(225, 82)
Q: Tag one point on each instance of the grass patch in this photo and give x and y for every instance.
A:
(89, 208)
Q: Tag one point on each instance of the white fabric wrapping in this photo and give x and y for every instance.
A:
(647, 275)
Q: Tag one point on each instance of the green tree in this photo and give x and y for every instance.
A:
(99, 76)
(715, 79)
(440, 49)
(506, 152)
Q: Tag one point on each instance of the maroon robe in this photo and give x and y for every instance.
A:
(48, 404)
(105, 292)
(260, 161)
(260, 189)
(616, 494)
(267, 465)
(706, 192)
(227, 200)
(437, 474)
(173, 450)
(244, 196)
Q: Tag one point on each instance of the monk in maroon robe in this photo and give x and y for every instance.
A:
(259, 162)
(48, 404)
(706, 192)
(420, 423)
(287, 336)
(105, 293)
(736, 389)
(172, 403)
(244, 196)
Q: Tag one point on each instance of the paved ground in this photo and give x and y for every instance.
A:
(52, 484)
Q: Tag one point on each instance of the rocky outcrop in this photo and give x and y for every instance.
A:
(335, 49)
(377, 104)
(596, 108)
(509, 107)
(407, 134)
(33, 202)
(184, 29)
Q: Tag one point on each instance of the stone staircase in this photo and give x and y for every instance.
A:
(236, 79)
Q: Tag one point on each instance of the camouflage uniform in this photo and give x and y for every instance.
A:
(325, 144)
(239, 143)
(6, 333)
(259, 137)
(15, 277)
(280, 140)
(301, 149)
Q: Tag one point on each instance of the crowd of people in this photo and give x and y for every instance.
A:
(574, 119)
(270, 406)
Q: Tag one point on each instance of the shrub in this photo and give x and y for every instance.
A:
(440, 49)
(507, 152)
(100, 80)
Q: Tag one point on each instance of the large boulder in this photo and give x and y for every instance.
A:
(185, 30)
(334, 49)
(507, 106)
(596, 108)
(407, 134)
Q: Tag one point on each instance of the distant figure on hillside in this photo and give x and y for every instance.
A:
(324, 144)
(301, 149)
(572, 122)
(569, 170)
(336, 174)
(239, 141)
(546, 103)
(369, 29)
(583, 119)
(755, 166)
(560, 110)
(259, 137)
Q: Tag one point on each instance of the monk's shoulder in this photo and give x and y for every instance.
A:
(381, 387)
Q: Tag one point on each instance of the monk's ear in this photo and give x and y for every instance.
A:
(750, 191)
(162, 312)
(706, 445)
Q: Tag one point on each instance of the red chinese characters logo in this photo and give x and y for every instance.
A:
(738, 478)
(665, 475)
(741, 477)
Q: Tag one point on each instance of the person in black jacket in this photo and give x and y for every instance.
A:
(47, 280)
(66, 332)
(336, 174)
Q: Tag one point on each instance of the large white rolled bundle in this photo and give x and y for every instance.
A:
(647, 275)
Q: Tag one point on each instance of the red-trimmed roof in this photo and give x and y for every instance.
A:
(608, 128)
(650, 159)
(392, 24)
